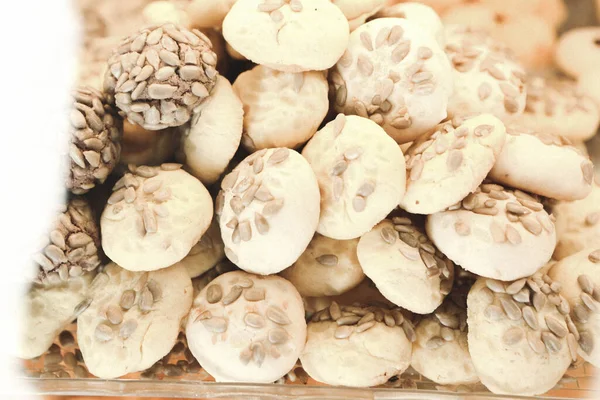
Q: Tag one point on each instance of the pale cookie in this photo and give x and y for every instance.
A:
(395, 73)
(558, 108)
(294, 36)
(361, 174)
(519, 337)
(588, 84)
(213, 136)
(143, 147)
(529, 162)
(247, 328)
(422, 14)
(133, 320)
(578, 223)
(496, 233)
(486, 77)
(268, 210)
(205, 254)
(357, 11)
(208, 13)
(406, 267)
(46, 311)
(154, 217)
(160, 12)
(328, 267)
(578, 51)
(450, 162)
(281, 109)
(579, 276)
(441, 351)
(530, 37)
(357, 346)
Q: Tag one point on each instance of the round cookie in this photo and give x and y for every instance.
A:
(154, 217)
(579, 276)
(247, 328)
(406, 267)
(558, 108)
(133, 319)
(495, 232)
(422, 14)
(213, 136)
(281, 109)
(578, 51)
(268, 210)
(529, 161)
(361, 175)
(528, 35)
(357, 11)
(143, 147)
(295, 36)
(160, 12)
(47, 310)
(523, 328)
(357, 346)
(578, 223)
(395, 73)
(205, 254)
(588, 84)
(441, 351)
(486, 77)
(446, 164)
(328, 267)
(208, 13)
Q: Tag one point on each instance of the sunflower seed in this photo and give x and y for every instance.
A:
(214, 293)
(494, 313)
(572, 343)
(449, 320)
(278, 336)
(530, 317)
(556, 326)
(254, 320)
(233, 295)
(364, 65)
(462, 228)
(552, 343)
(348, 320)
(513, 235)
(533, 338)
(114, 315)
(359, 203)
(128, 328)
(409, 331)
(594, 256)
(339, 168)
(215, 324)
(334, 311)
(586, 341)
(203, 315)
(581, 313)
(539, 301)
(245, 356)
(366, 189)
(522, 296)
(343, 332)
(278, 156)
(103, 333)
(587, 168)
(389, 235)
(588, 301)
(585, 283)
(513, 336)
(511, 309)
(146, 300)
(277, 315)
(434, 342)
(272, 207)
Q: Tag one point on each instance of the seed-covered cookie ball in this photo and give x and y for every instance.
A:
(95, 146)
(159, 75)
(72, 248)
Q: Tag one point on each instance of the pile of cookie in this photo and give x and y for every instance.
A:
(245, 172)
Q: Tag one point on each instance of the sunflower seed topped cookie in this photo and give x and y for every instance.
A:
(281, 109)
(95, 146)
(528, 162)
(486, 76)
(159, 75)
(578, 51)
(451, 161)
(395, 73)
(357, 346)
(268, 210)
(154, 217)
(247, 328)
(133, 319)
(406, 267)
(422, 14)
(328, 267)
(525, 328)
(495, 232)
(579, 276)
(361, 174)
(290, 35)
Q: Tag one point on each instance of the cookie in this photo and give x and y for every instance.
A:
(406, 267)
(578, 223)
(268, 210)
(205, 254)
(395, 73)
(143, 147)
(519, 337)
(208, 13)
(361, 175)
(495, 233)
(160, 12)
(46, 311)
(528, 162)
(554, 12)
(154, 217)
(558, 108)
(446, 164)
(358, 11)
(328, 267)
(422, 14)
(578, 51)
(247, 328)
(133, 319)
(579, 277)
(281, 109)
(487, 78)
(213, 136)
(295, 36)
(529, 36)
